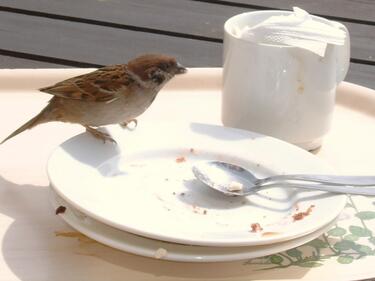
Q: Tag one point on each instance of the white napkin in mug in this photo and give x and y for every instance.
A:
(298, 29)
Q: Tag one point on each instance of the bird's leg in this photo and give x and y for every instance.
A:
(99, 135)
(125, 125)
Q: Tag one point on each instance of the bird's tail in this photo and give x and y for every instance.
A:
(38, 119)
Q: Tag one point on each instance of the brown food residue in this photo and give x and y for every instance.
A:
(73, 234)
(192, 150)
(301, 215)
(60, 210)
(180, 159)
(255, 227)
(270, 233)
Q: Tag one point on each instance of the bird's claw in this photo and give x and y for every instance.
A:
(100, 135)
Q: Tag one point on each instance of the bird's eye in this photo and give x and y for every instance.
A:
(157, 77)
(163, 66)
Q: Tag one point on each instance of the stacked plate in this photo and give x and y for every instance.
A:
(140, 196)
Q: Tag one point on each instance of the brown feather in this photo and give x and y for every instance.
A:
(101, 85)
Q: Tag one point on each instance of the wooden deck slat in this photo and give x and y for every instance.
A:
(362, 75)
(352, 9)
(96, 44)
(12, 62)
(362, 39)
(197, 18)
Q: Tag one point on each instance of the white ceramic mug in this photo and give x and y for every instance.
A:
(278, 90)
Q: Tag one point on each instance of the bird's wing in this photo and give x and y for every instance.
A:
(102, 85)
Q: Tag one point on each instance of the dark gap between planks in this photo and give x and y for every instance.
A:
(54, 60)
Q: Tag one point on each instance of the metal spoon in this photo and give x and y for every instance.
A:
(236, 181)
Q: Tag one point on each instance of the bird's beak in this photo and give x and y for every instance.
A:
(180, 69)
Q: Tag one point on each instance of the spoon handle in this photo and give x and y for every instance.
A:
(327, 179)
(330, 188)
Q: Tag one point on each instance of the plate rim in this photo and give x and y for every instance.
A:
(173, 255)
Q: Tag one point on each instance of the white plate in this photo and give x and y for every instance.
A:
(145, 185)
(142, 246)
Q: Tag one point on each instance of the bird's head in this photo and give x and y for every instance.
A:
(155, 69)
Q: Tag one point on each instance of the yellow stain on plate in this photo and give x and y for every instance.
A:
(74, 234)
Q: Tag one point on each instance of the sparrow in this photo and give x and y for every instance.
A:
(115, 94)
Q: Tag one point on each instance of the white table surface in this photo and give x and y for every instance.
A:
(37, 245)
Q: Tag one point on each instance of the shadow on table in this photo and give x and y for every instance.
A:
(90, 151)
(33, 251)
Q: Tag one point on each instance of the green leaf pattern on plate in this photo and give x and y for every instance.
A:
(367, 215)
(337, 231)
(351, 239)
(360, 231)
(345, 259)
(276, 259)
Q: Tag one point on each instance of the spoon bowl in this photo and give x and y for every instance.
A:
(234, 180)
(221, 176)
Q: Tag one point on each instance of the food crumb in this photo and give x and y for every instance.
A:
(60, 210)
(270, 233)
(182, 193)
(160, 253)
(180, 159)
(195, 209)
(235, 186)
(198, 210)
(74, 234)
(192, 150)
(301, 215)
(255, 227)
(174, 193)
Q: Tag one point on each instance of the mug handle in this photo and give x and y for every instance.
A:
(343, 54)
